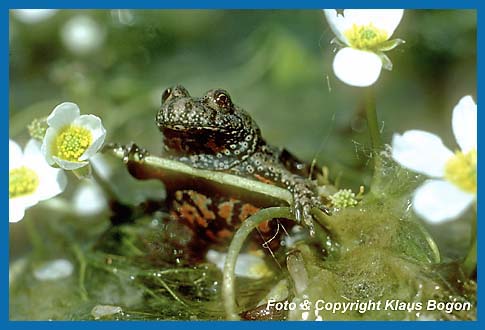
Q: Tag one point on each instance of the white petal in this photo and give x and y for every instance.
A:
(32, 16)
(92, 123)
(52, 182)
(82, 35)
(32, 149)
(16, 211)
(338, 24)
(465, 123)
(46, 148)
(68, 165)
(26, 201)
(18, 205)
(62, 115)
(421, 152)
(98, 132)
(33, 156)
(356, 67)
(438, 201)
(15, 156)
(54, 270)
(251, 266)
(384, 19)
(102, 311)
(247, 265)
(101, 165)
(89, 199)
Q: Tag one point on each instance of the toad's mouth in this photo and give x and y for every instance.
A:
(189, 133)
(181, 139)
(191, 129)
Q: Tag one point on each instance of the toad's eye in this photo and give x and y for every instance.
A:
(166, 94)
(223, 100)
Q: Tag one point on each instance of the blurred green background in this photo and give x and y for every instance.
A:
(275, 64)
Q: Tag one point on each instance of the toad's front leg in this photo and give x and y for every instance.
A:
(305, 198)
(303, 190)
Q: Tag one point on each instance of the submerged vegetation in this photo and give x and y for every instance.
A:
(106, 245)
(375, 251)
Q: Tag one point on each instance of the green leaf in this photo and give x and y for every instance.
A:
(386, 61)
(390, 44)
(338, 42)
(83, 172)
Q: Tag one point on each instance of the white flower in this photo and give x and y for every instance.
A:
(71, 140)
(82, 35)
(54, 270)
(454, 185)
(33, 16)
(364, 36)
(123, 16)
(31, 179)
(89, 199)
(100, 311)
(247, 265)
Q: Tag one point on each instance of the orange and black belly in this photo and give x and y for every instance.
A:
(214, 219)
(213, 211)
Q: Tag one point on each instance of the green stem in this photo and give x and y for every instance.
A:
(136, 251)
(104, 184)
(470, 262)
(229, 278)
(372, 123)
(34, 237)
(432, 244)
(82, 271)
(170, 291)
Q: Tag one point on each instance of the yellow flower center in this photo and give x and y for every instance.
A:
(22, 181)
(72, 142)
(365, 37)
(461, 170)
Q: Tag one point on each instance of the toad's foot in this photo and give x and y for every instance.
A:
(304, 200)
(130, 151)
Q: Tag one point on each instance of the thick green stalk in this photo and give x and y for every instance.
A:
(372, 123)
(82, 271)
(470, 262)
(104, 184)
(34, 237)
(229, 278)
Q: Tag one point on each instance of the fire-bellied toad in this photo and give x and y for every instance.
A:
(212, 133)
